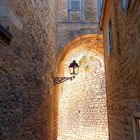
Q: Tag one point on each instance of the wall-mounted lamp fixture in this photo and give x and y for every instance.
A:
(73, 69)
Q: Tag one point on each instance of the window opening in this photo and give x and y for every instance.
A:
(100, 5)
(125, 4)
(137, 128)
(75, 10)
(109, 38)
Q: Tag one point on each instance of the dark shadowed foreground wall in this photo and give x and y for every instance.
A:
(25, 64)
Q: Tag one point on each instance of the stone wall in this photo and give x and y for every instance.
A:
(123, 68)
(25, 64)
(69, 30)
(82, 104)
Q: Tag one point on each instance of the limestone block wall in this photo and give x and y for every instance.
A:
(25, 64)
(66, 32)
(82, 104)
(69, 30)
(123, 69)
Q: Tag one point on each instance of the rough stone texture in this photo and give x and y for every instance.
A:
(62, 10)
(123, 68)
(67, 32)
(90, 10)
(82, 105)
(25, 96)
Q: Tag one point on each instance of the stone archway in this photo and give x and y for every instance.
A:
(82, 111)
(91, 42)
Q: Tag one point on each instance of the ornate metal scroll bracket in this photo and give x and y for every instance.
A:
(59, 80)
(73, 69)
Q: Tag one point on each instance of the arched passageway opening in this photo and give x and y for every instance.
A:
(82, 113)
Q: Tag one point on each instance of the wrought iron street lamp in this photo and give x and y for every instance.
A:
(73, 69)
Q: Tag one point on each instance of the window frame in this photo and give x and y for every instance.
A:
(73, 7)
(71, 11)
(136, 116)
(135, 121)
(100, 6)
(109, 38)
(125, 4)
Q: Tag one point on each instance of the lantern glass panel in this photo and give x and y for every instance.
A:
(71, 70)
(76, 70)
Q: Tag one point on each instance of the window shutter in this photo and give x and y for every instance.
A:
(75, 5)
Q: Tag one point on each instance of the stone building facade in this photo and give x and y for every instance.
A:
(89, 8)
(28, 100)
(69, 29)
(75, 96)
(82, 104)
(27, 42)
(74, 35)
(120, 22)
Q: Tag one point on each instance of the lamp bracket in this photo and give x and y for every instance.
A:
(59, 80)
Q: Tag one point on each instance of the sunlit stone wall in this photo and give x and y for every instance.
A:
(82, 105)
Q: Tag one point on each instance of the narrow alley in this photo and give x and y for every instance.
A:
(69, 69)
